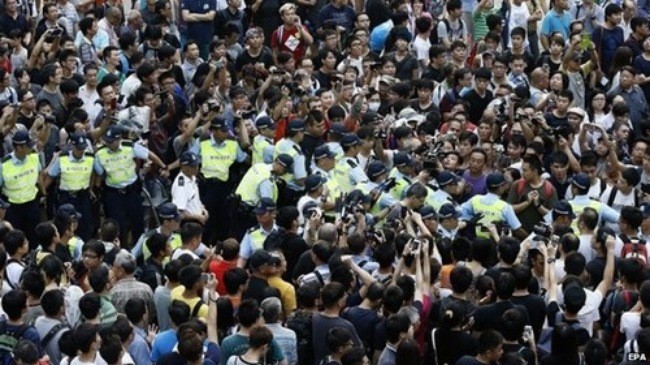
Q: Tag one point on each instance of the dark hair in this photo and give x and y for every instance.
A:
(86, 24)
(336, 338)
(461, 278)
(307, 294)
(52, 267)
(111, 348)
(89, 305)
(259, 336)
(489, 340)
(98, 278)
(157, 243)
(135, 309)
(505, 285)
(512, 324)
(190, 275)
(331, 294)
(33, 283)
(234, 279)
(248, 313)
(26, 351)
(508, 249)
(13, 303)
(408, 352)
(172, 269)
(179, 312)
(393, 299)
(13, 240)
(84, 335)
(190, 231)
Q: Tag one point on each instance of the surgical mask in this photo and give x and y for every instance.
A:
(373, 106)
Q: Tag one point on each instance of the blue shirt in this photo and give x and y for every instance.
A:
(55, 168)
(139, 349)
(139, 151)
(163, 344)
(246, 249)
(508, 214)
(200, 31)
(554, 22)
(342, 17)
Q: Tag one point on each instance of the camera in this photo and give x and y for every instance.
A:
(248, 114)
(380, 134)
(387, 185)
(561, 131)
(543, 230)
(213, 105)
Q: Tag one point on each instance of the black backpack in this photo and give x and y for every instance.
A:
(433, 38)
(300, 322)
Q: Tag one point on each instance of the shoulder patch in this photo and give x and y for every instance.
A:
(297, 149)
(181, 180)
(351, 163)
(127, 143)
(6, 158)
(89, 154)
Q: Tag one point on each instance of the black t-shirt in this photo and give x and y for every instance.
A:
(256, 288)
(434, 74)
(525, 352)
(245, 58)
(477, 104)
(364, 321)
(305, 265)
(489, 316)
(468, 360)
(554, 121)
(293, 247)
(536, 308)
(450, 346)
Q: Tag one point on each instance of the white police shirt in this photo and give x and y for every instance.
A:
(185, 194)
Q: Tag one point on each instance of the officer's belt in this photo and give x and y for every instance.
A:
(74, 193)
(125, 189)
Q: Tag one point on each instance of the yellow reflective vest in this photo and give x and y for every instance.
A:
(248, 188)
(75, 174)
(20, 180)
(217, 159)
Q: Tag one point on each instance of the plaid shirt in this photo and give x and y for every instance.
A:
(128, 288)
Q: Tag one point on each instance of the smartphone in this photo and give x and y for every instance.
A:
(415, 245)
(57, 32)
(207, 277)
(528, 333)
(114, 103)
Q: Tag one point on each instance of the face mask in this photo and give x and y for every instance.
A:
(373, 106)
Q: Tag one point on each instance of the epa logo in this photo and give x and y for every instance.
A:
(635, 356)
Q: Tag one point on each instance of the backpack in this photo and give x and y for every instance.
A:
(545, 337)
(301, 323)
(614, 192)
(547, 189)
(197, 308)
(434, 39)
(634, 249)
(53, 332)
(629, 298)
(8, 341)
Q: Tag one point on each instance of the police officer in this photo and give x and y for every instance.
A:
(402, 172)
(116, 162)
(75, 172)
(217, 154)
(324, 160)
(295, 178)
(490, 208)
(170, 219)
(263, 146)
(375, 188)
(580, 188)
(347, 172)
(447, 189)
(260, 180)
(185, 190)
(336, 132)
(255, 237)
(20, 180)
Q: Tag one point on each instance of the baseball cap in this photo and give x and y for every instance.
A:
(370, 117)
(495, 179)
(219, 123)
(22, 138)
(189, 158)
(388, 80)
(79, 140)
(297, 125)
(112, 134)
(265, 205)
(68, 211)
(563, 208)
(309, 208)
(350, 139)
(581, 181)
(264, 122)
(168, 211)
(313, 182)
(446, 177)
(427, 212)
(323, 151)
(402, 159)
(4, 204)
(261, 258)
(284, 160)
(447, 211)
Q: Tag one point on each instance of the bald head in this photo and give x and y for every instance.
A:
(328, 232)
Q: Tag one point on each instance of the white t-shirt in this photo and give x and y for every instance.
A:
(594, 191)
(180, 252)
(185, 194)
(519, 18)
(589, 312)
(13, 271)
(421, 48)
(630, 324)
(137, 114)
(585, 247)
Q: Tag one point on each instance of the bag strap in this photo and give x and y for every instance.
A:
(433, 344)
(612, 196)
(521, 184)
(197, 308)
(319, 276)
(53, 332)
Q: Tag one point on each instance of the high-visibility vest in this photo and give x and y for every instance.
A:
(20, 180)
(342, 174)
(260, 143)
(289, 147)
(248, 188)
(492, 213)
(258, 236)
(579, 208)
(216, 160)
(75, 174)
(119, 165)
(401, 184)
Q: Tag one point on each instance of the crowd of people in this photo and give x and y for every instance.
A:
(324, 182)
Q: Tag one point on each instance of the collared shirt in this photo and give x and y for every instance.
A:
(17, 162)
(246, 249)
(196, 148)
(128, 288)
(55, 167)
(185, 194)
(287, 341)
(139, 152)
(189, 69)
(607, 214)
(139, 348)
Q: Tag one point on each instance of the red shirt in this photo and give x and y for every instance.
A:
(290, 40)
(219, 268)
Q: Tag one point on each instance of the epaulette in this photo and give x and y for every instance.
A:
(252, 229)
(181, 180)
(102, 147)
(89, 154)
(6, 158)
(351, 163)
(127, 143)
(298, 150)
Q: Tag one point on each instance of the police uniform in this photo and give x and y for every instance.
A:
(290, 194)
(385, 200)
(123, 194)
(254, 239)
(263, 146)
(216, 159)
(582, 201)
(348, 172)
(74, 182)
(185, 189)
(19, 179)
(333, 191)
(439, 197)
(165, 211)
(490, 205)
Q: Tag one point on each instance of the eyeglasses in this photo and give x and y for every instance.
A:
(89, 256)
